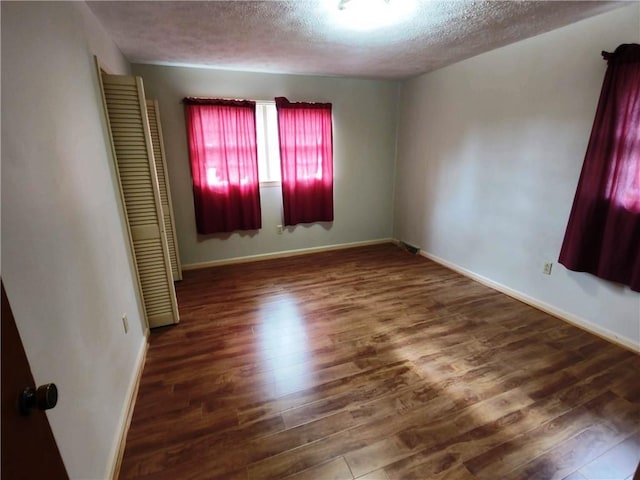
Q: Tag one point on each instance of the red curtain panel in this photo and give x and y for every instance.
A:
(306, 157)
(224, 164)
(603, 232)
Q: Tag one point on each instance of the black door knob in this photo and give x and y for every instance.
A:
(45, 398)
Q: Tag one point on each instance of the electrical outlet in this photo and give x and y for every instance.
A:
(547, 268)
(280, 229)
(125, 323)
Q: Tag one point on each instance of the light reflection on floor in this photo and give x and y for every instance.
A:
(284, 344)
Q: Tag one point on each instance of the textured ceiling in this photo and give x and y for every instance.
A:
(307, 37)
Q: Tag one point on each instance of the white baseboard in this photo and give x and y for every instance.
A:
(283, 254)
(575, 320)
(127, 411)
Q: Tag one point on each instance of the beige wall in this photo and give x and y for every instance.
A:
(65, 260)
(489, 154)
(364, 116)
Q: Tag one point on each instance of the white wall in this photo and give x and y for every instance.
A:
(489, 154)
(65, 260)
(364, 114)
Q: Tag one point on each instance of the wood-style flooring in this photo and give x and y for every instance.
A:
(373, 363)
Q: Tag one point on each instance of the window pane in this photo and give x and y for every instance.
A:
(268, 148)
(272, 142)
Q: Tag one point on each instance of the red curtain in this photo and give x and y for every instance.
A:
(306, 157)
(224, 164)
(603, 233)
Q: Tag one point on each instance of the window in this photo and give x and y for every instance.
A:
(603, 231)
(224, 164)
(234, 145)
(306, 149)
(225, 150)
(268, 148)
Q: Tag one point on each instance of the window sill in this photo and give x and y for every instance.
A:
(272, 183)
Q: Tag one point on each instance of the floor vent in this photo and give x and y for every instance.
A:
(409, 248)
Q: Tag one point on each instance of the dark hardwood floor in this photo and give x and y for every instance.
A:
(373, 363)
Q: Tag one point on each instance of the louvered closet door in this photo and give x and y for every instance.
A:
(153, 113)
(126, 110)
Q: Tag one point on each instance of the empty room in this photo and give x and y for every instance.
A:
(332, 239)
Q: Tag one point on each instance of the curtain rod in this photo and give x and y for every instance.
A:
(181, 101)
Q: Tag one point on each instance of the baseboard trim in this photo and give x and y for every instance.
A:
(283, 254)
(128, 411)
(574, 320)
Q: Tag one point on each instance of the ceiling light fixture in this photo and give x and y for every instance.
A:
(372, 14)
(342, 4)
